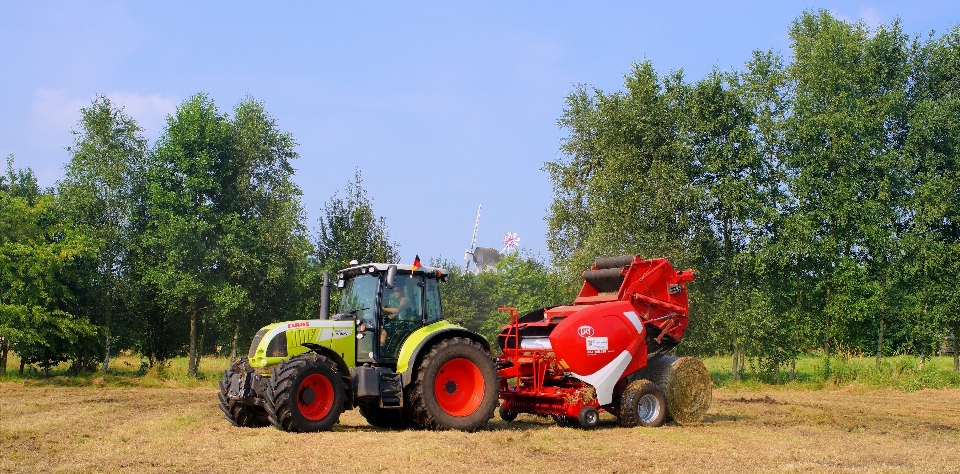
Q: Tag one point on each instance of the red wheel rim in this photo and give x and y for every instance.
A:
(459, 387)
(315, 397)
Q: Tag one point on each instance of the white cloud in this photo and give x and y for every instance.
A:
(54, 114)
(150, 111)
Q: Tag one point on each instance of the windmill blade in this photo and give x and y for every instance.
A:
(468, 255)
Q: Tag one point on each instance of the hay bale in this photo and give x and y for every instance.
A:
(686, 383)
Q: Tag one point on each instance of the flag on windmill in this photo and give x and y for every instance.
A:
(416, 264)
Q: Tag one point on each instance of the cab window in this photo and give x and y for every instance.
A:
(434, 311)
(359, 297)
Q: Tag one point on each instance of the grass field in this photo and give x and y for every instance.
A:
(165, 422)
(902, 372)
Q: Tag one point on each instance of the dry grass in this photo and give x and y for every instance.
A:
(180, 429)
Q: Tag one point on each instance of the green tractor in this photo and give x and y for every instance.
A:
(388, 352)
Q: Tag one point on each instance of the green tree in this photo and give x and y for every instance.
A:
(36, 254)
(626, 184)
(468, 299)
(520, 281)
(350, 230)
(269, 247)
(845, 133)
(933, 238)
(220, 230)
(97, 195)
(185, 219)
(735, 182)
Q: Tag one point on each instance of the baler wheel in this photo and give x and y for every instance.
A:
(305, 394)
(455, 387)
(642, 403)
(508, 415)
(589, 418)
(239, 414)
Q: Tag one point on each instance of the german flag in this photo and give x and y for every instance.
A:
(416, 264)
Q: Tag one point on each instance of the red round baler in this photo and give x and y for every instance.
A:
(572, 362)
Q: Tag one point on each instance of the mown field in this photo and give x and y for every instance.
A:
(166, 424)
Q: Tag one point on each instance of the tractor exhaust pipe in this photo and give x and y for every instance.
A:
(325, 297)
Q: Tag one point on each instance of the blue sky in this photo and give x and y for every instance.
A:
(441, 106)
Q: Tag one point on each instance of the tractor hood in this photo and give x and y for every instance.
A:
(279, 341)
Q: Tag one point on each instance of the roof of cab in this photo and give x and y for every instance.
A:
(382, 267)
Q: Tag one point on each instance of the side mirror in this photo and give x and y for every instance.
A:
(391, 276)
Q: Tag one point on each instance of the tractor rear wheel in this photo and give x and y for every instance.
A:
(237, 413)
(455, 387)
(642, 403)
(305, 394)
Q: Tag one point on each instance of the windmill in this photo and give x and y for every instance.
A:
(468, 255)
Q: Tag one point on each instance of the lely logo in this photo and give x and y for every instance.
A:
(585, 331)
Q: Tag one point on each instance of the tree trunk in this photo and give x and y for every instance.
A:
(735, 370)
(191, 358)
(22, 364)
(203, 334)
(233, 351)
(796, 330)
(883, 314)
(106, 353)
(880, 342)
(826, 336)
(956, 353)
(4, 347)
(108, 310)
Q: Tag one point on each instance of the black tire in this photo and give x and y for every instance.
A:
(589, 418)
(507, 415)
(305, 394)
(564, 421)
(237, 413)
(642, 404)
(383, 417)
(468, 387)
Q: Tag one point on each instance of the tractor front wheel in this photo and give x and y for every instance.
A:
(305, 394)
(456, 387)
(238, 413)
(642, 403)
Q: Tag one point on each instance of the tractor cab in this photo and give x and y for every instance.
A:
(388, 302)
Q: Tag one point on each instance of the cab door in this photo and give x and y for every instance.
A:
(402, 312)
